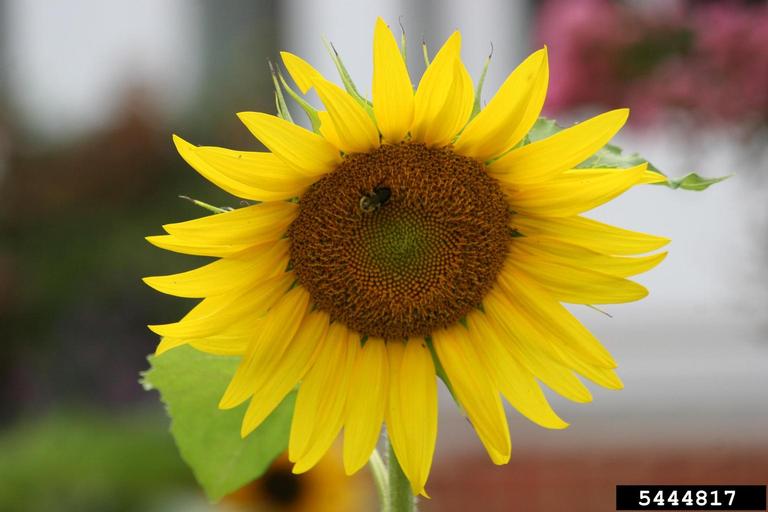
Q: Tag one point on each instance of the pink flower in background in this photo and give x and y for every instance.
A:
(708, 60)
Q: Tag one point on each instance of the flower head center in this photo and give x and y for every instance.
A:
(400, 241)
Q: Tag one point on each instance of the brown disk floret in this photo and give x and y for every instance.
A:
(400, 241)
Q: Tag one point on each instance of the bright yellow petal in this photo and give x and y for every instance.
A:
(650, 177)
(366, 403)
(525, 343)
(229, 342)
(569, 283)
(259, 169)
(435, 83)
(412, 411)
(256, 176)
(222, 346)
(321, 401)
(355, 129)
(516, 383)
(226, 274)
(232, 339)
(280, 373)
(573, 192)
(251, 225)
(590, 233)
(431, 101)
(204, 308)
(321, 377)
(555, 341)
(510, 114)
(474, 391)
(550, 249)
(565, 328)
(301, 71)
(455, 111)
(562, 151)
(392, 89)
(305, 151)
(196, 247)
(252, 302)
(328, 129)
(278, 328)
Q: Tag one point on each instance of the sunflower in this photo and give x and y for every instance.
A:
(325, 489)
(407, 237)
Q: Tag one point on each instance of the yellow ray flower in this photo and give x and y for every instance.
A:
(405, 237)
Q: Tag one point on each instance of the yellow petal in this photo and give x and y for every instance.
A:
(351, 123)
(322, 397)
(256, 176)
(510, 114)
(301, 71)
(233, 338)
(196, 247)
(474, 391)
(366, 403)
(455, 111)
(328, 129)
(565, 328)
(650, 177)
(444, 98)
(278, 328)
(251, 225)
(392, 89)
(573, 192)
(252, 302)
(553, 250)
(316, 390)
(562, 151)
(516, 383)
(569, 283)
(412, 411)
(255, 168)
(307, 152)
(222, 346)
(281, 371)
(203, 309)
(525, 343)
(555, 342)
(645, 178)
(590, 233)
(226, 274)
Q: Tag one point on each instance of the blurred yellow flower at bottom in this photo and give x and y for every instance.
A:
(326, 489)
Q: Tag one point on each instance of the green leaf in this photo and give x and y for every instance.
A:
(190, 384)
(693, 181)
(612, 156)
(543, 128)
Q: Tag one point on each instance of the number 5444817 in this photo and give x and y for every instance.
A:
(689, 498)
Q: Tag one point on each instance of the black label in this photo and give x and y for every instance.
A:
(690, 497)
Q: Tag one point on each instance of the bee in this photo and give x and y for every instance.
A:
(374, 200)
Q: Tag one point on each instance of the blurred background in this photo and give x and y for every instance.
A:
(90, 92)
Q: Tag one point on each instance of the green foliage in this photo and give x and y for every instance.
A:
(89, 461)
(611, 156)
(190, 384)
(693, 181)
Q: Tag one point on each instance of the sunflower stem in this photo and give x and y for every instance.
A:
(400, 498)
(381, 478)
